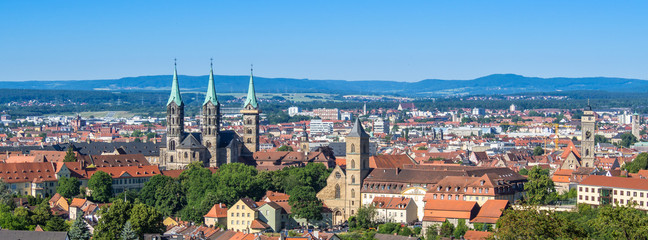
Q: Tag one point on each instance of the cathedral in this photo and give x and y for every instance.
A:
(211, 146)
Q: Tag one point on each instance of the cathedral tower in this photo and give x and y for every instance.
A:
(251, 120)
(357, 159)
(174, 118)
(210, 120)
(588, 124)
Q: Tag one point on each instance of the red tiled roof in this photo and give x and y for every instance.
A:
(217, 211)
(476, 235)
(616, 182)
(389, 161)
(27, 172)
(257, 224)
(491, 211)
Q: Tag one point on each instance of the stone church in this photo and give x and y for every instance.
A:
(211, 146)
(342, 191)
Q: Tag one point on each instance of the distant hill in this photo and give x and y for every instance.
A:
(491, 84)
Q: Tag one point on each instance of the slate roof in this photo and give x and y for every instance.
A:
(358, 130)
(97, 148)
(32, 235)
(191, 140)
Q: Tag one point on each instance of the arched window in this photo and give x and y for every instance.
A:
(195, 155)
(586, 152)
(352, 164)
(172, 145)
(249, 140)
(186, 155)
(352, 179)
(249, 131)
(208, 144)
(352, 193)
(352, 148)
(172, 110)
(171, 159)
(337, 191)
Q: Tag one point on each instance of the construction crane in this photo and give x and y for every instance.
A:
(556, 127)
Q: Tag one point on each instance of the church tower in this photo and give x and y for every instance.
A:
(357, 159)
(210, 120)
(588, 124)
(251, 120)
(174, 118)
(303, 141)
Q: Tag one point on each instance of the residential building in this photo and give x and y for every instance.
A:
(327, 113)
(217, 215)
(243, 216)
(601, 190)
(394, 209)
(317, 126)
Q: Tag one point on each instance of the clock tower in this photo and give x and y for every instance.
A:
(588, 125)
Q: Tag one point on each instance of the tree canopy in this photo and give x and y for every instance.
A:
(68, 187)
(540, 188)
(101, 186)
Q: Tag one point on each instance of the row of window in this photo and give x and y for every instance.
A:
(239, 222)
(129, 181)
(241, 215)
(621, 201)
(616, 192)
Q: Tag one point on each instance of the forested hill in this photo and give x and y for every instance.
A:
(492, 84)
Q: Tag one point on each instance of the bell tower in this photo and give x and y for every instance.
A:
(251, 113)
(210, 120)
(588, 125)
(174, 118)
(357, 159)
(303, 141)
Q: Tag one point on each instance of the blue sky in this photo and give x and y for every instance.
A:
(352, 40)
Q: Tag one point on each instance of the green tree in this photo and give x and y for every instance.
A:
(524, 172)
(101, 186)
(235, 181)
(285, 148)
(79, 230)
(461, 229)
(364, 218)
(56, 224)
(6, 197)
(305, 204)
(128, 233)
(389, 228)
(621, 222)
(600, 139)
(627, 139)
(70, 155)
(447, 229)
(170, 198)
(422, 148)
(112, 220)
(432, 232)
(538, 151)
(540, 188)
(68, 187)
(41, 214)
(145, 219)
(531, 223)
(405, 231)
(639, 163)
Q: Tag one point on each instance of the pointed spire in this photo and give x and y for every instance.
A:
(251, 96)
(357, 130)
(175, 88)
(211, 88)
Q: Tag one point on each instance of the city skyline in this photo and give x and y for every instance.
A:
(347, 41)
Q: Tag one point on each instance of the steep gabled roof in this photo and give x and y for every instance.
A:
(358, 130)
(211, 90)
(175, 96)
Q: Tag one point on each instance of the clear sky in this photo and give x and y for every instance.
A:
(352, 40)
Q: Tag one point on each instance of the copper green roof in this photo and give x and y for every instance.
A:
(211, 90)
(251, 96)
(175, 89)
